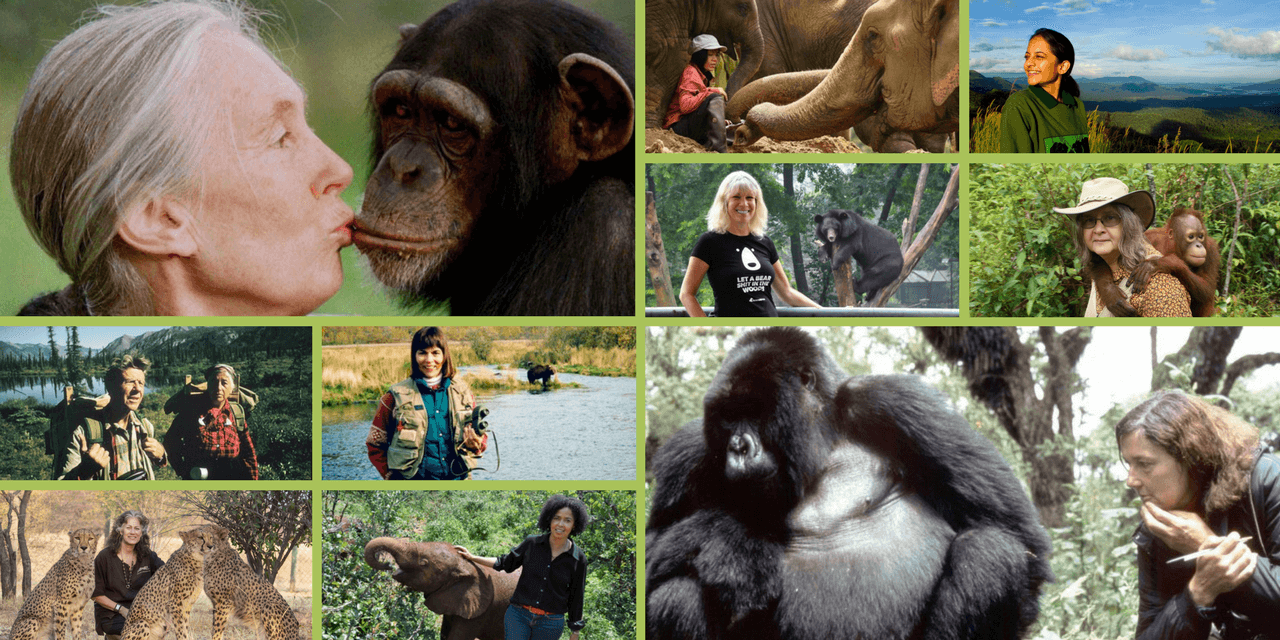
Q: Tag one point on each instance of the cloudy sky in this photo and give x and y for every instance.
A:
(93, 337)
(1163, 41)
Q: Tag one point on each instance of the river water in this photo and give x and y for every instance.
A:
(565, 434)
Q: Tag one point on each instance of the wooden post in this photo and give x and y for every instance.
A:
(655, 255)
(843, 277)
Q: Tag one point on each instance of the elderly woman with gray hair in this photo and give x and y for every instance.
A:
(1110, 221)
(162, 157)
(209, 438)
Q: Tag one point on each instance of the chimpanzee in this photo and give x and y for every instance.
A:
(1190, 254)
(541, 372)
(845, 235)
(805, 504)
(504, 158)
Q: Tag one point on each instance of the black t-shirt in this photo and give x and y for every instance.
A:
(555, 585)
(113, 579)
(740, 269)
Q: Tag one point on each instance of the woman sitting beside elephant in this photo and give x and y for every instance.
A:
(697, 108)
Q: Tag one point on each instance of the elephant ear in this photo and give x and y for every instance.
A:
(468, 594)
(945, 72)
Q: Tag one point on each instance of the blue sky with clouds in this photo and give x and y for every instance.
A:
(92, 337)
(1167, 42)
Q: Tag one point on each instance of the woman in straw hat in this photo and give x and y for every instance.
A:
(1110, 221)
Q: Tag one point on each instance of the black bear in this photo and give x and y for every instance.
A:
(541, 371)
(846, 234)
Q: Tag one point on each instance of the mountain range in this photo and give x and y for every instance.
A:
(199, 338)
(1129, 87)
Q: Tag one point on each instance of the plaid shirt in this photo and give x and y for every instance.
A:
(211, 439)
(124, 446)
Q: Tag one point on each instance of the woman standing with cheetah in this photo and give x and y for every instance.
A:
(120, 570)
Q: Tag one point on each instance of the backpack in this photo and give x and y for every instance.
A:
(76, 408)
(191, 397)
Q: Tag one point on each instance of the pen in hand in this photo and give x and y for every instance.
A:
(1197, 554)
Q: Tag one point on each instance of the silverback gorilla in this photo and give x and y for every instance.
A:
(504, 160)
(807, 504)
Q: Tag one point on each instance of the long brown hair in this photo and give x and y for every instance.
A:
(1215, 446)
(431, 337)
(143, 549)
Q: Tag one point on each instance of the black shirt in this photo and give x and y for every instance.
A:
(113, 578)
(740, 269)
(551, 585)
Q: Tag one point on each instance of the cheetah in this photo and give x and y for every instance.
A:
(165, 601)
(232, 586)
(54, 608)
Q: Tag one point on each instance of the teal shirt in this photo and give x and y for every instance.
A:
(437, 454)
(1032, 121)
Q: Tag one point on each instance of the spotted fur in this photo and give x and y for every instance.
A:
(56, 605)
(165, 602)
(234, 588)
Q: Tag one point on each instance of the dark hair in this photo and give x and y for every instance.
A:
(1215, 446)
(143, 548)
(115, 372)
(431, 337)
(558, 502)
(699, 61)
(1064, 52)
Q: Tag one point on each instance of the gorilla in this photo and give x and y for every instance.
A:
(807, 504)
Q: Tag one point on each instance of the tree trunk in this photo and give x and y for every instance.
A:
(843, 276)
(656, 256)
(1208, 347)
(909, 225)
(800, 280)
(911, 256)
(888, 198)
(23, 503)
(997, 366)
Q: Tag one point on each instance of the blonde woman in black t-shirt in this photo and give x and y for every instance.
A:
(548, 596)
(737, 257)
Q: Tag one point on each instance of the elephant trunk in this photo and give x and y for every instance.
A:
(751, 50)
(783, 88)
(848, 93)
(376, 547)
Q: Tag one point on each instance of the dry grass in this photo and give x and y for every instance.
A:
(47, 548)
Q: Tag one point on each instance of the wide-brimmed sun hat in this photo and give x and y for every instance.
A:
(705, 41)
(1103, 191)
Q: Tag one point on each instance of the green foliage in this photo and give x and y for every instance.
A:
(22, 428)
(266, 525)
(1022, 262)
(482, 344)
(362, 603)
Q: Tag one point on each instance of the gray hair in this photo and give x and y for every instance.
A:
(108, 124)
(718, 217)
(1133, 245)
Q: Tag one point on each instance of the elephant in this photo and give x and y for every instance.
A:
(793, 35)
(900, 74)
(471, 598)
(541, 372)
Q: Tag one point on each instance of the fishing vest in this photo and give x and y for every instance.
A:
(407, 445)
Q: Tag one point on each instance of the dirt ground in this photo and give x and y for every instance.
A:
(47, 548)
(666, 141)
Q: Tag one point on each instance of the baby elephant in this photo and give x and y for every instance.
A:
(541, 372)
(56, 605)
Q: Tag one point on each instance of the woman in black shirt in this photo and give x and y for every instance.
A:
(554, 577)
(739, 259)
(120, 570)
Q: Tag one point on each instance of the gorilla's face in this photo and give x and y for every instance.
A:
(764, 419)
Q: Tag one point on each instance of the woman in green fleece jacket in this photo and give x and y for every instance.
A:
(1047, 117)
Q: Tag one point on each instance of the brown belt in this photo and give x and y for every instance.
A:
(535, 610)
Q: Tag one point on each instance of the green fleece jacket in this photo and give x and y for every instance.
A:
(1032, 121)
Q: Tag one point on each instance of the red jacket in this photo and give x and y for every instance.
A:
(690, 93)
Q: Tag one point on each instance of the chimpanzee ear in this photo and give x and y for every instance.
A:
(407, 32)
(600, 107)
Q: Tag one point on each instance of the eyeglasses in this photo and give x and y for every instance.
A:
(1108, 220)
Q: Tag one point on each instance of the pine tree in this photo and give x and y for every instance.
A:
(53, 352)
(75, 366)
